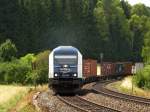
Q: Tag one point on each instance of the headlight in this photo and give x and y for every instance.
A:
(65, 66)
(55, 74)
(74, 75)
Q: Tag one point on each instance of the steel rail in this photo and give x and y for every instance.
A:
(101, 88)
(84, 105)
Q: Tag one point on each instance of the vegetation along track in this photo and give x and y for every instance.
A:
(101, 88)
(84, 105)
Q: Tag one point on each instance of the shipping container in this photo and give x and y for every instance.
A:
(119, 68)
(139, 66)
(128, 68)
(89, 68)
(98, 69)
(124, 68)
(108, 68)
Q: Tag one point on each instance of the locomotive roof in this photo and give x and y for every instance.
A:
(65, 50)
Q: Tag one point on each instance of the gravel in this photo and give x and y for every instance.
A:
(118, 104)
(47, 102)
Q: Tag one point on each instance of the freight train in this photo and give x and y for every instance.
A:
(68, 71)
(92, 68)
(93, 71)
(65, 69)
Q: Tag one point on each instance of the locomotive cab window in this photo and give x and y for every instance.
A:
(65, 59)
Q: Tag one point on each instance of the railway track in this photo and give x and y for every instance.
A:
(85, 105)
(100, 88)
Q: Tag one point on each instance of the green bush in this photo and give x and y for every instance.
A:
(14, 72)
(17, 70)
(39, 72)
(2, 71)
(8, 50)
(29, 69)
(31, 77)
(28, 59)
(41, 66)
(42, 75)
(42, 59)
(142, 78)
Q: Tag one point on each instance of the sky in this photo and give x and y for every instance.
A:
(146, 2)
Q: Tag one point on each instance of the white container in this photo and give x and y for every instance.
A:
(98, 69)
(139, 66)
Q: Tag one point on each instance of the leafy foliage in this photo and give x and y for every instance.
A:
(146, 49)
(14, 72)
(17, 70)
(112, 27)
(106, 26)
(146, 46)
(39, 72)
(142, 78)
(127, 8)
(8, 50)
(29, 69)
(28, 59)
(140, 10)
(41, 66)
(138, 27)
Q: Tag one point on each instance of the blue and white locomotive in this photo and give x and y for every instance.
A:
(65, 69)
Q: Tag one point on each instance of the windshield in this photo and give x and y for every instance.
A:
(65, 59)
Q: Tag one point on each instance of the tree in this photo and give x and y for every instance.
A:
(102, 27)
(126, 7)
(146, 48)
(36, 25)
(140, 10)
(138, 27)
(8, 50)
(110, 17)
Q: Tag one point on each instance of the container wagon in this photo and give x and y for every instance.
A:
(123, 68)
(116, 68)
(108, 68)
(89, 68)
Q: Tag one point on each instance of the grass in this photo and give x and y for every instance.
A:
(18, 98)
(10, 95)
(28, 108)
(8, 91)
(125, 86)
(25, 104)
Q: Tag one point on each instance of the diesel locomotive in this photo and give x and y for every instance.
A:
(65, 69)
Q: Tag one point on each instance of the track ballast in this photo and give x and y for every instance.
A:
(100, 88)
(85, 105)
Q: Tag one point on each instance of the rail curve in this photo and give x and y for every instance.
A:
(85, 105)
(101, 88)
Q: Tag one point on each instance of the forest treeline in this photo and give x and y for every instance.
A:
(112, 27)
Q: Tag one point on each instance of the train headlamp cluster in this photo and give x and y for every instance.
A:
(55, 74)
(74, 75)
(65, 66)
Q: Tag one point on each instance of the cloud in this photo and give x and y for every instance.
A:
(133, 2)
